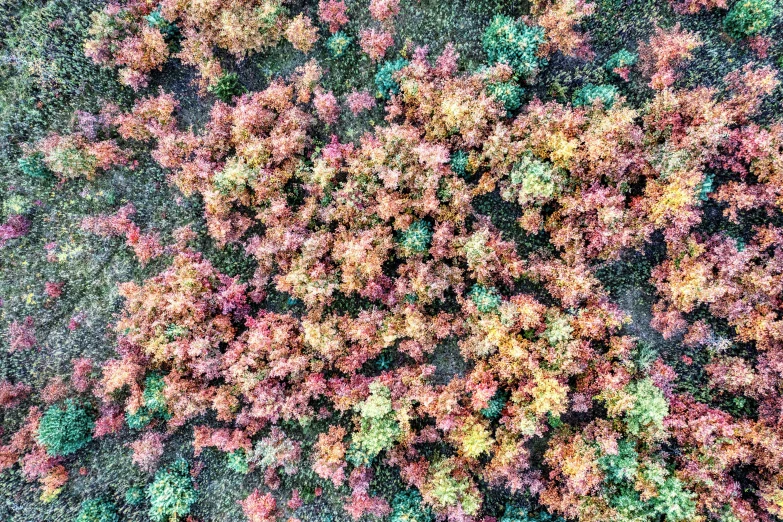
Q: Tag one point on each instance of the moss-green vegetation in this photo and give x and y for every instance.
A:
(154, 402)
(416, 238)
(513, 43)
(227, 87)
(486, 299)
(65, 428)
(649, 407)
(507, 93)
(749, 17)
(589, 94)
(97, 510)
(338, 44)
(621, 59)
(385, 82)
(171, 494)
(378, 427)
(408, 506)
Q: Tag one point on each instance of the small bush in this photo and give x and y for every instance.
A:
(507, 93)
(97, 510)
(674, 502)
(408, 506)
(513, 43)
(235, 178)
(558, 329)
(749, 17)
(587, 95)
(338, 44)
(170, 32)
(459, 163)
(237, 461)
(532, 181)
(34, 166)
(154, 403)
(495, 406)
(384, 78)
(171, 494)
(649, 409)
(619, 63)
(416, 239)
(706, 186)
(134, 496)
(16, 204)
(622, 466)
(227, 87)
(65, 429)
(72, 161)
(446, 489)
(486, 299)
(378, 427)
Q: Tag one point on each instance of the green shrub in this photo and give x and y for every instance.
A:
(411, 298)
(558, 329)
(507, 93)
(587, 95)
(238, 462)
(644, 354)
(134, 496)
(521, 514)
(749, 17)
(532, 181)
(486, 299)
(171, 494)
(72, 162)
(33, 166)
(727, 515)
(495, 406)
(673, 502)
(65, 429)
(409, 506)
(445, 191)
(416, 239)
(175, 331)
(459, 163)
(448, 490)
(378, 427)
(338, 44)
(384, 78)
(516, 514)
(513, 43)
(97, 510)
(621, 467)
(153, 404)
(385, 360)
(170, 31)
(227, 87)
(629, 505)
(649, 409)
(670, 501)
(705, 187)
(235, 178)
(620, 59)
(15, 204)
